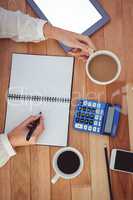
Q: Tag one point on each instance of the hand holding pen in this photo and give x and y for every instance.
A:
(17, 136)
(32, 127)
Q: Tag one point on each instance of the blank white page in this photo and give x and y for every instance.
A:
(72, 15)
(41, 75)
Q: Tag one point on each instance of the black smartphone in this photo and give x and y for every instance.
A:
(121, 160)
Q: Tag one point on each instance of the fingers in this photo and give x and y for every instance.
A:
(40, 128)
(29, 120)
(82, 46)
(84, 43)
(87, 40)
(79, 54)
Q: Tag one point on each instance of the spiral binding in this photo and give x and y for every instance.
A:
(37, 98)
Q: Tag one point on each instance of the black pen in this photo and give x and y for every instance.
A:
(108, 173)
(32, 126)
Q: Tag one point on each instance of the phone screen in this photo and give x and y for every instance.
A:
(124, 161)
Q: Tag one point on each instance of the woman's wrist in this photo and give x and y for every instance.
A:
(49, 31)
(11, 140)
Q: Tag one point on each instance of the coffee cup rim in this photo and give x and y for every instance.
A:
(104, 52)
(59, 172)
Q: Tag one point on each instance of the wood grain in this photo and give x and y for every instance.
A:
(81, 192)
(114, 40)
(130, 112)
(28, 175)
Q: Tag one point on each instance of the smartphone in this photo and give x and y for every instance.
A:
(121, 160)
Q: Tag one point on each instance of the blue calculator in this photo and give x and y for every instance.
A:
(96, 117)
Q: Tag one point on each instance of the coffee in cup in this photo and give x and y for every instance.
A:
(67, 163)
(103, 67)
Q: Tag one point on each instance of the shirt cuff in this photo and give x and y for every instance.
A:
(40, 25)
(7, 145)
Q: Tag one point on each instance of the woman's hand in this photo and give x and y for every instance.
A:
(81, 45)
(17, 136)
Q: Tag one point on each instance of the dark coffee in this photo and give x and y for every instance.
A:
(103, 68)
(68, 162)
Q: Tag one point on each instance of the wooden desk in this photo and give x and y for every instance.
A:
(27, 176)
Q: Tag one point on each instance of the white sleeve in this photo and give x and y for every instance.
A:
(20, 27)
(6, 149)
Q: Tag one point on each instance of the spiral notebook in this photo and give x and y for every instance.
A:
(41, 84)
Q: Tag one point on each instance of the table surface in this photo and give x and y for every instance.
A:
(27, 176)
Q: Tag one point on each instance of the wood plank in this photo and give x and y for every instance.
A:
(79, 140)
(81, 193)
(20, 174)
(39, 155)
(130, 112)
(96, 143)
(5, 186)
(61, 190)
(21, 161)
(127, 21)
(40, 173)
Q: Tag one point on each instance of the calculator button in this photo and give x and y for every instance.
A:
(81, 102)
(84, 108)
(89, 104)
(91, 122)
(97, 111)
(78, 114)
(92, 116)
(76, 125)
(88, 109)
(79, 126)
(99, 123)
(89, 128)
(77, 120)
(79, 108)
(81, 120)
(95, 123)
(100, 118)
(98, 130)
(82, 114)
(94, 129)
(93, 110)
(102, 112)
(96, 117)
(86, 121)
(87, 115)
(85, 103)
(98, 105)
(94, 105)
(85, 127)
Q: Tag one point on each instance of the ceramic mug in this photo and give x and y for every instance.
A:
(59, 173)
(94, 54)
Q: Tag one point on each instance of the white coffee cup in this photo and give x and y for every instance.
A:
(59, 173)
(108, 53)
